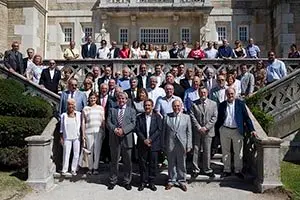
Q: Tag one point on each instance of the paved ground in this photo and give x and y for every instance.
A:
(81, 190)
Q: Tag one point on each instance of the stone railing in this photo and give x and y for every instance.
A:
(150, 4)
(262, 158)
(155, 1)
(41, 167)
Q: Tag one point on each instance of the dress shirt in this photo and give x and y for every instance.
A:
(252, 51)
(222, 94)
(124, 83)
(155, 93)
(148, 124)
(190, 95)
(164, 105)
(144, 80)
(122, 108)
(89, 46)
(70, 94)
(225, 52)
(51, 71)
(103, 53)
(111, 54)
(211, 53)
(276, 70)
(111, 93)
(103, 100)
(230, 116)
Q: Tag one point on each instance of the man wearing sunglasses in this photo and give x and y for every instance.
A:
(50, 77)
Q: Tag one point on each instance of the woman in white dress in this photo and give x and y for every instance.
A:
(151, 53)
(164, 53)
(34, 69)
(93, 124)
(70, 133)
(135, 50)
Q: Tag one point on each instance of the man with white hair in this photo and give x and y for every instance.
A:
(124, 82)
(210, 82)
(155, 92)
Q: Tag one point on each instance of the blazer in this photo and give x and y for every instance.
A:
(214, 84)
(204, 118)
(215, 95)
(154, 132)
(129, 122)
(89, 53)
(116, 53)
(14, 60)
(181, 131)
(247, 83)
(50, 84)
(241, 116)
(25, 61)
(80, 98)
(185, 83)
(63, 124)
(140, 81)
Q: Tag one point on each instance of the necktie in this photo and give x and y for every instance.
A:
(203, 113)
(103, 103)
(72, 95)
(120, 117)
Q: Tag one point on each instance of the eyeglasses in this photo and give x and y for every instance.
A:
(221, 80)
(52, 63)
(74, 85)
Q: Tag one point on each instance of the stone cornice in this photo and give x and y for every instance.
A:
(3, 2)
(26, 3)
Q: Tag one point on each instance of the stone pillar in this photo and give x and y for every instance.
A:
(268, 163)
(40, 165)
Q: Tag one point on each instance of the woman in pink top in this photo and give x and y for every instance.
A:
(197, 52)
(125, 51)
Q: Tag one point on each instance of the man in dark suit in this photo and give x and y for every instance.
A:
(50, 77)
(107, 75)
(186, 83)
(143, 77)
(114, 50)
(89, 49)
(132, 91)
(233, 119)
(29, 58)
(148, 129)
(121, 124)
(13, 59)
(178, 90)
(174, 51)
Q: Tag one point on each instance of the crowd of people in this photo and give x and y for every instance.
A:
(138, 116)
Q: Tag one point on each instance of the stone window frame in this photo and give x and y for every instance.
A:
(154, 33)
(123, 34)
(246, 38)
(219, 30)
(189, 37)
(68, 33)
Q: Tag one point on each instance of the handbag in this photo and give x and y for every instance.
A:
(84, 156)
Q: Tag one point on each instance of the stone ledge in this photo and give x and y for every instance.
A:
(38, 139)
(270, 141)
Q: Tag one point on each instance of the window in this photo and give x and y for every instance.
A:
(221, 30)
(68, 32)
(123, 36)
(154, 35)
(185, 34)
(88, 31)
(243, 33)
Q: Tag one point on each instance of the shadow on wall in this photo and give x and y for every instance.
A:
(290, 148)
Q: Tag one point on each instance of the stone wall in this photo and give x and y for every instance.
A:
(3, 28)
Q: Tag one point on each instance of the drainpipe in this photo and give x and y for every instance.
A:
(46, 29)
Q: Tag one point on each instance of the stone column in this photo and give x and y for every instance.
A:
(268, 163)
(40, 165)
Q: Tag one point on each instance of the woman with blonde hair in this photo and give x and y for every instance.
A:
(93, 125)
(35, 68)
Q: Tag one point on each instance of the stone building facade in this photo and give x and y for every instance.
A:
(49, 25)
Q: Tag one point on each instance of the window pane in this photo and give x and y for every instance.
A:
(185, 35)
(221, 30)
(243, 33)
(155, 36)
(68, 34)
(88, 31)
(123, 37)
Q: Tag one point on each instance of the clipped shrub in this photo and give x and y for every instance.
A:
(13, 158)
(13, 130)
(13, 103)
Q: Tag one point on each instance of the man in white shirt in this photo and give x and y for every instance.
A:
(97, 74)
(155, 92)
(159, 74)
(103, 51)
(71, 53)
(210, 82)
(184, 51)
(276, 69)
(210, 51)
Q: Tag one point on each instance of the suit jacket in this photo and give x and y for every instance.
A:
(247, 83)
(241, 116)
(154, 132)
(25, 61)
(89, 53)
(185, 83)
(80, 98)
(178, 90)
(14, 60)
(50, 84)
(204, 118)
(129, 122)
(140, 81)
(215, 95)
(213, 84)
(181, 131)
(116, 53)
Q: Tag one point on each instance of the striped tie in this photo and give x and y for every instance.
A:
(120, 117)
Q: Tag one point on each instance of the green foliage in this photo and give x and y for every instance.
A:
(13, 130)
(290, 177)
(13, 158)
(13, 103)
(264, 119)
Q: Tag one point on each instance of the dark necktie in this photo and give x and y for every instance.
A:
(72, 95)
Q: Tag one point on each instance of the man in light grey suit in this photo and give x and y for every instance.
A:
(121, 123)
(74, 93)
(204, 115)
(177, 141)
(247, 81)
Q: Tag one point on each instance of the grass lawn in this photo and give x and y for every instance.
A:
(290, 177)
(12, 187)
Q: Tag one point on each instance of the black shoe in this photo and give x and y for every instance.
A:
(211, 175)
(194, 175)
(225, 174)
(127, 187)
(152, 187)
(111, 186)
(141, 187)
(240, 175)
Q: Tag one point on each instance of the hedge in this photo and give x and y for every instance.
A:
(13, 158)
(13, 103)
(13, 130)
